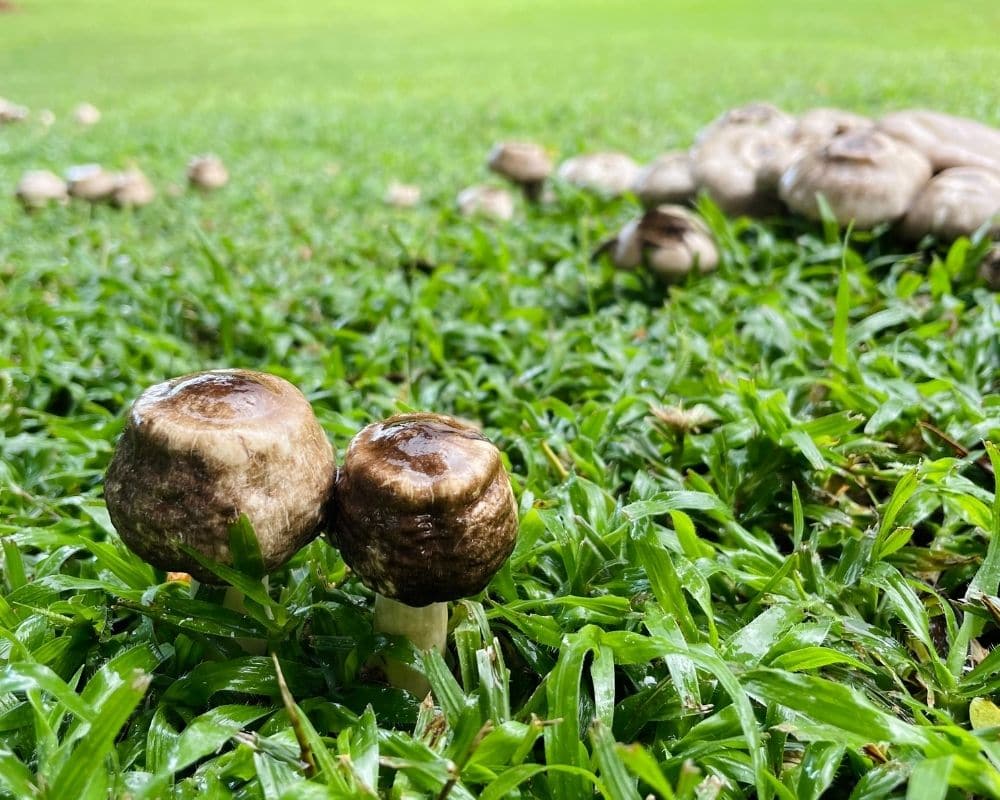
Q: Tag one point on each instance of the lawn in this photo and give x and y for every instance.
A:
(796, 598)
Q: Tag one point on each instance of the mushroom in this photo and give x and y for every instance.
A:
(91, 182)
(670, 240)
(523, 163)
(610, 173)
(954, 203)
(133, 189)
(864, 176)
(86, 114)
(11, 112)
(485, 201)
(946, 141)
(46, 118)
(423, 513)
(734, 166)
(38, 188)
(201, 450)
(402, 195)
(207, 172)
(819, 125)
(667, 179)
(751, 115)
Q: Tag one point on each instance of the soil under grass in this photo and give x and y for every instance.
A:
(796, 598)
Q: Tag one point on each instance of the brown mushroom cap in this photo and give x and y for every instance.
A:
(402, 195)
(751, 115)
(865, 176)
(424, 511)
(485, 201)
(956, 202)
(133, 189)
(86, 114)
(667, 179)
(200, 450)
(732, 164)
(819, 125)
(946, 141)
(12, 112)
(40, 187)
(671, 240)
(91, 182)
(608, 173)
(207, 172)
(520, 162)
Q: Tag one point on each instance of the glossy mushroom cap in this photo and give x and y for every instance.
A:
(12, 112)
(207, 172)
(91, 182)
(133, 189)
(424, 511)
(945, 141)
(520, 162)
(956, 202)
(865, 176)
(667, 179)
(731, 166)
(609, 174)
(402, 195)
(671, 240)
(485, 201)
(200, 450)
(38, 188)
(86, 114)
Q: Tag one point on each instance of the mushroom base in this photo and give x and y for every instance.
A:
(425, 626)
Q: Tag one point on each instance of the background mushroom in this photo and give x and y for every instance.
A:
(402, 195)
(201, 450)
(945, 140)
(956, 202)
(86, 114)
(207, 172)
(11, 112)
(670, 240)
(750, 115)
(485, 201)
(610, 173)
(423, 513)
(523, 163)
(40, 187)
(864, 176)
(667, 179)
(91, 182)
(133, 189)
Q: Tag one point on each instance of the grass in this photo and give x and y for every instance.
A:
(797, 599)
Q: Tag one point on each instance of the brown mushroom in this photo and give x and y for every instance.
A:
(201, 450)
(751, 115)
(989, 269)
(485, 201)
(423, 513)
(12, 112)
(207, 172)
(525, 164)
(402, 195)
(38, 188)
(671, 240)
(609, 173)
(133, 189)
(956, 202)
(86, 114)
(733, 166)
(864, 176)
(945, 140)
(667, 179)
(91, 182)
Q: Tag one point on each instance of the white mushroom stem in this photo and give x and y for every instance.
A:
(426, 627)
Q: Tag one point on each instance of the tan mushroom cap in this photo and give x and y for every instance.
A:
(207, 172)
(86, 114)
(520, 162)
(667, 179)
(485, 201)
(402, 195)
(670, 239)
(40, 187)
(954, 203)
(733, 166)
(424, 510)
(865, 176)
(751, 115)
(201, 450)
(819, 125)
(607, 173)
(91, 182)
(945, 140)
(12, 112)
(133, 189)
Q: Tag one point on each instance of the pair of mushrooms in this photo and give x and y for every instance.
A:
(422, 508)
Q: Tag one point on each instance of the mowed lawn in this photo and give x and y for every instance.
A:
(792, 595)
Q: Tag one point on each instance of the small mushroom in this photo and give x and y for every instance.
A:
(86, 114)
(610, 173)
(752, 115)
(523, 163)
(864, 176)
(46, 118)
(12, 112)
(133, 189)
(670, 240)
(402, 195)
(91, 182)
(946, 141)
(485, 201)
(423, 513)
(38, 188)
(207, 172)
(201, 450)
(667, 179)
(954, 203)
